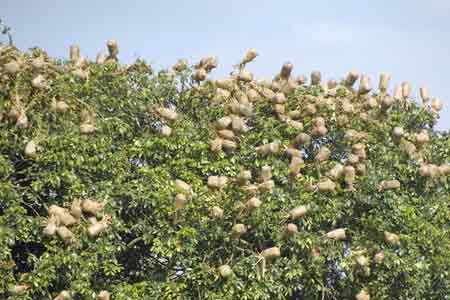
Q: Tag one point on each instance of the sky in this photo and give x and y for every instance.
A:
(408, 39)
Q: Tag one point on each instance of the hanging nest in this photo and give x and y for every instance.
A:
(336, 234)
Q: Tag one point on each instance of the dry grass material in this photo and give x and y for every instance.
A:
(337, 234)
(271, 253)
(389, 185)
(238, 230)
(225, 271)
(92, 207)
(391, 238)
(103, 295)
(64, 295)
(95, 230)
(363, 295)
(298, 212)
(65, 234)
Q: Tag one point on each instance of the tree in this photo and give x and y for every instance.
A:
(117, 180)
(5, 29)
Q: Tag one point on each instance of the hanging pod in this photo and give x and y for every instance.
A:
(336, 172)
(216, 145)
(180, 65)
(59, 106)
(217, 182)
(323, 154)
(64, 295)
(301, 79)
(226, 134)
(298, 212)
(216, 212)
(303, 139)
(223, 122)
(74, 53)
(286, 70)
(270, 148)
(92, 207)
(22, 120)
(66, 218)
(266, 186)
(351, 78)
(225, 271)
(379, 257)
(271, 253)
(291, 229)
(200, 75)
(244, 177)
(422, 138)
(266, 173)
(180, 201)
(336, 234)
(294, 114)
(12, 67)
(183, 187)
(229, 145)
(249, 56)
(253, 203)
(363, 295)
(279, 98)
(52, 224)
(113, 49)
(352, 159)
(167, 114)
(406, 89)
(436, 105)
(389, 185)
(349, 177)
(165, 130)
(384, 82)
(75, 208)
(424, 95)
(39, 82)
(391, 238)
(316, 77)
(252, 95)
(94, 230)
(398, 93)
(293, 152)
(398, 132)
(364, 85)
(361, 260)
(87, 128)
(238, 124)
(65, 234)
(103, 295)
(226, 84)
(444, 169)
(386, 103)
(326, 185)
(31, 149)
(245, 76)
(62, 214)
(238, 230)
(19, 289)
(295, 165)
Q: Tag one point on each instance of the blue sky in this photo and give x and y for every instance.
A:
(408, 39)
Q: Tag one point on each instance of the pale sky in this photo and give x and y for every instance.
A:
(408, 39)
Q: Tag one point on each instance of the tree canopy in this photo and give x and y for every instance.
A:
(122, 182)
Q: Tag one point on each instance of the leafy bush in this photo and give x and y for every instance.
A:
(119, 181)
